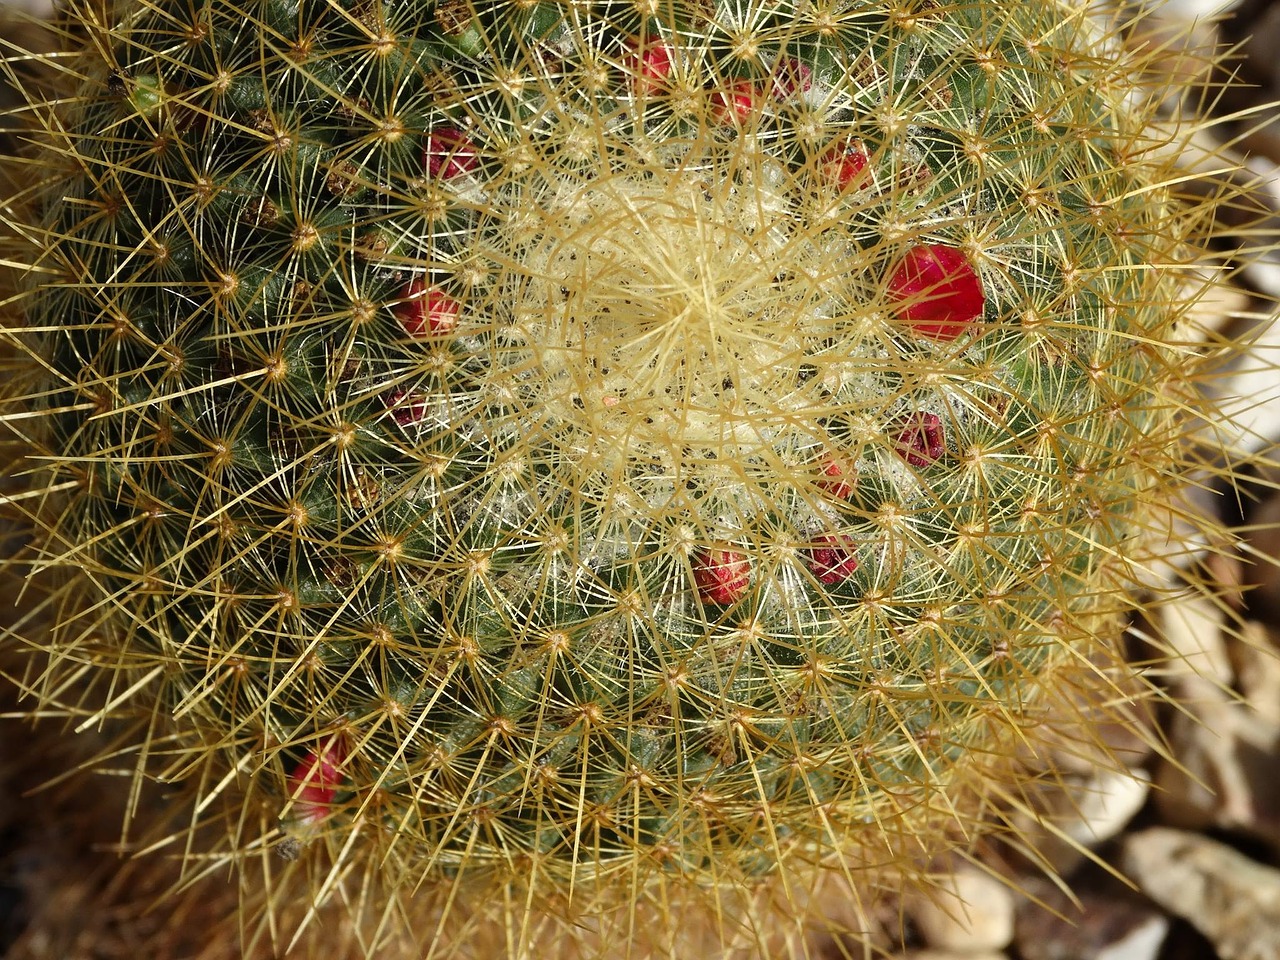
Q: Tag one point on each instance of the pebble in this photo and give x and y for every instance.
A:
(1141, 943)
(1233, 900)
(1222, 773)
(1081, 816)
(1256, 660)
(971, 914)
(1105, 805)
(1101, 919)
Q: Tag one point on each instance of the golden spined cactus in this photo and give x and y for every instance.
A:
(556, 471)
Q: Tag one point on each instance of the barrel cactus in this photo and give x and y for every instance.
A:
(557, 469)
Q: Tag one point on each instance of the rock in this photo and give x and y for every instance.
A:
(1143, 942)
(1249, 394)
(1261, 41)
(1080, 814)
(1192, 632)
(1233, 900)
(1178, 40)
(1255, 658)
(1102, 919)
(1105, 804)
(1192, 10)
(1222, 767)
(1224, 772)
(35, 8)
(1265, 575)
(971, 913)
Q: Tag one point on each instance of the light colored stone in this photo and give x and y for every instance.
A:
(1249, 395)
(1261, 42)
(1221, 768)
(1264, 540)
(1098, 917)
(1105, 804)
(1190, 10)
(971, 913)
(1207, 785)
(1222, 772)
(1233, 900)
(1256, 660)
(1081, 814)
(1177, 46)
(1141, 943)
(36, 8)
(1216, 306)
(1192, 631)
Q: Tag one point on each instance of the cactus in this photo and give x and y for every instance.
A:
(587, 464)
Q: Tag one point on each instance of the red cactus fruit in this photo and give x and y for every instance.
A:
(936, 291)
(648, 66)
(448, 153)
(315, 779)
(845, 164)
(792, 77)
(721, 576)
(735, 104)
(832, 558)
(921, 440)
(406, 408)
(426, 311)
(838, 478)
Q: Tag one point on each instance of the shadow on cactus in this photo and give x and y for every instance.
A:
(545, 473)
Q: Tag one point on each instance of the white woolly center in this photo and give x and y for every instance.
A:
(669, 320)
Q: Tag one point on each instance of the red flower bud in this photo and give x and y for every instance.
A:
(791, 76)
(448, 153)
(838, 478)
(832, 558)
(844, 164)
(426, 311)
(921, 441)
(648, 66)
(314, 781)
(736, 104)
(937, 291)
(721, 576)
(407, 409)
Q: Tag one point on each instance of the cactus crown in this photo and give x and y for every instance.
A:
(643, 444)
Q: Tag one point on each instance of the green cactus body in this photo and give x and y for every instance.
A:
(653, 442)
